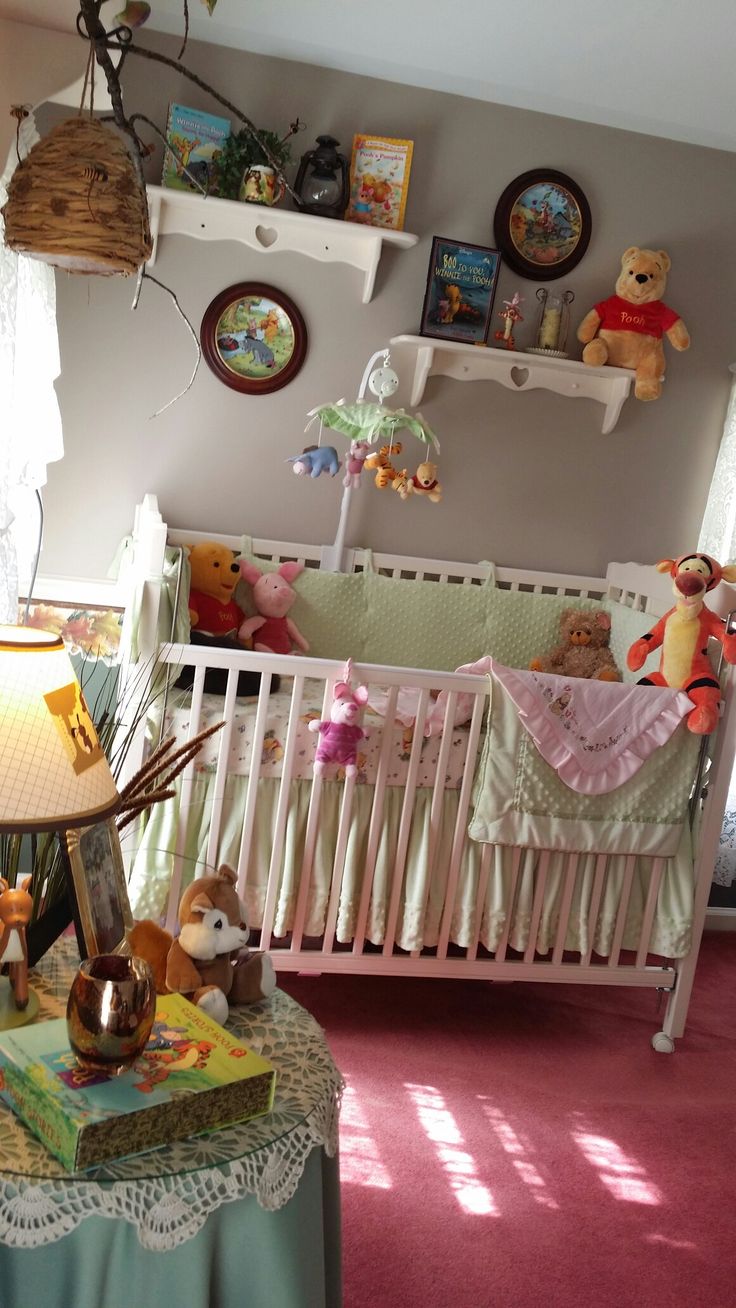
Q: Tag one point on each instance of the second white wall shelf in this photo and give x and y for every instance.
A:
(521, 372)
(184, 213)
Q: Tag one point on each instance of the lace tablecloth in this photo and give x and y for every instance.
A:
(168, 1193)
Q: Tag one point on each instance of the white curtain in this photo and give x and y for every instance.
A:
(31, 423)
(718, 537)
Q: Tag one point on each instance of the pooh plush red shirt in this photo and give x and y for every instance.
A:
(215, 617)
(652, 319)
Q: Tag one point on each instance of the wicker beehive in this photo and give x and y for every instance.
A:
(75, 201)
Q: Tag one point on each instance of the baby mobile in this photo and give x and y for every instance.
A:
(368, 423)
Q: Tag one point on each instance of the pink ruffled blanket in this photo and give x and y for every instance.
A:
(407, 702)
(595, 734)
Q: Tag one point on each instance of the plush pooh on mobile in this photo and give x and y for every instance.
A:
(626, 330)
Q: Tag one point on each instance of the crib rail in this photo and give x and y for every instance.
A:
(331, 927)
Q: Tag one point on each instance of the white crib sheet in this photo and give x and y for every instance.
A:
(178, 715)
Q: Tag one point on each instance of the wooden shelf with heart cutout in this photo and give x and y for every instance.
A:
(424, 356)
(184, 213)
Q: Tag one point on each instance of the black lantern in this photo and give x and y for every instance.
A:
(322, 180)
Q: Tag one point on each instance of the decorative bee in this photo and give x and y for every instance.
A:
(92, 173)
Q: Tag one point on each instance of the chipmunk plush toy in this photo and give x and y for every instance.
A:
(626, 329)
(208, 961)
(583, 651)
(683, 634)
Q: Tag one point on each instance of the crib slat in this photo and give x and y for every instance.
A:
(223, 756)
(655, 878)
(435, 812)
(567, 894)
(484, 872)
(310, 838)
(503, 944)
(185, 800)
(338, 867)
(305, 874)
(623, 908)
(254, 772)
(599, 876)
(376, 821)
(407, 809)
(459, 838)
(537, 905)
(282, 812)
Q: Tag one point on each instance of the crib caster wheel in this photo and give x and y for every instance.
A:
(663, 1043)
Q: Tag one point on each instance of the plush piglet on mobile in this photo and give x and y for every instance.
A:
(339, 738)
(273, 596)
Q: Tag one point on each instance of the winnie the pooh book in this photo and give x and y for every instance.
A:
(193, 1076)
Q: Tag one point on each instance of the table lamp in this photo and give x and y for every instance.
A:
(53, 776)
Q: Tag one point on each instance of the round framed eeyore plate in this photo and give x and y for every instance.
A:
(254, 338)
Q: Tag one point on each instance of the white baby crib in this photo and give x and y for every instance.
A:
(377, 874)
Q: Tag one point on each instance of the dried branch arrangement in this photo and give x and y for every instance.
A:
(152, 783)
(120, 41)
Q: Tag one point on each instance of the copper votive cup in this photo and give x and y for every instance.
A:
(110, 1012)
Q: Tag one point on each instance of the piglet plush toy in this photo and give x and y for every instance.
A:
(339, 738)
(273, 597)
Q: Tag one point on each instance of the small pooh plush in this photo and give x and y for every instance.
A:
(583, 650)
(626, 329)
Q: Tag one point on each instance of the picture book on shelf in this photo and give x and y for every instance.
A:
(193, 1076)
(197, 139)
(379, 181)
(461, 284)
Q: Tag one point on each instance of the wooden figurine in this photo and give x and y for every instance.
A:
(16, 906)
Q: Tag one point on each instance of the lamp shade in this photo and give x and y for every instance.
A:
(53, 770)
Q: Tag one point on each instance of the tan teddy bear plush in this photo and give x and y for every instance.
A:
(208, 961)
(583, 650)
(626, 329)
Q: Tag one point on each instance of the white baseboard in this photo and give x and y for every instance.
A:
(720, 919)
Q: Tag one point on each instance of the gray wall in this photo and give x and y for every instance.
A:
(528, 478)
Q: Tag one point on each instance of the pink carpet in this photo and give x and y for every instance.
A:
(516, 1146)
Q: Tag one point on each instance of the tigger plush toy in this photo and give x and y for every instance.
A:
(683, 634)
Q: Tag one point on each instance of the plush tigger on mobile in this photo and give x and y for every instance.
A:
(683, 633)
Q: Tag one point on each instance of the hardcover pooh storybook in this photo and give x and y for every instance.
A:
(193, 1076)
(379, 181)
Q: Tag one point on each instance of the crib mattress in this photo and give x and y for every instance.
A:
(178, 716)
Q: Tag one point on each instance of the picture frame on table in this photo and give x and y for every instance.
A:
(98, 887)
(461, 285)
(542, 224)
(254, 338)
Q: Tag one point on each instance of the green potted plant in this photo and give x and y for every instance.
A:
(244, 169)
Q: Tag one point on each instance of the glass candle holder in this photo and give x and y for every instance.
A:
(110, 1012)
(554, 320)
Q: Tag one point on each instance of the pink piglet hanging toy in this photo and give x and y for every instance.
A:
(357, 456)
(273, 596)
(339, 738)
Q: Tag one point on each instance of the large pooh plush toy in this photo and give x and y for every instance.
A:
(215, 616)
(626, 329)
